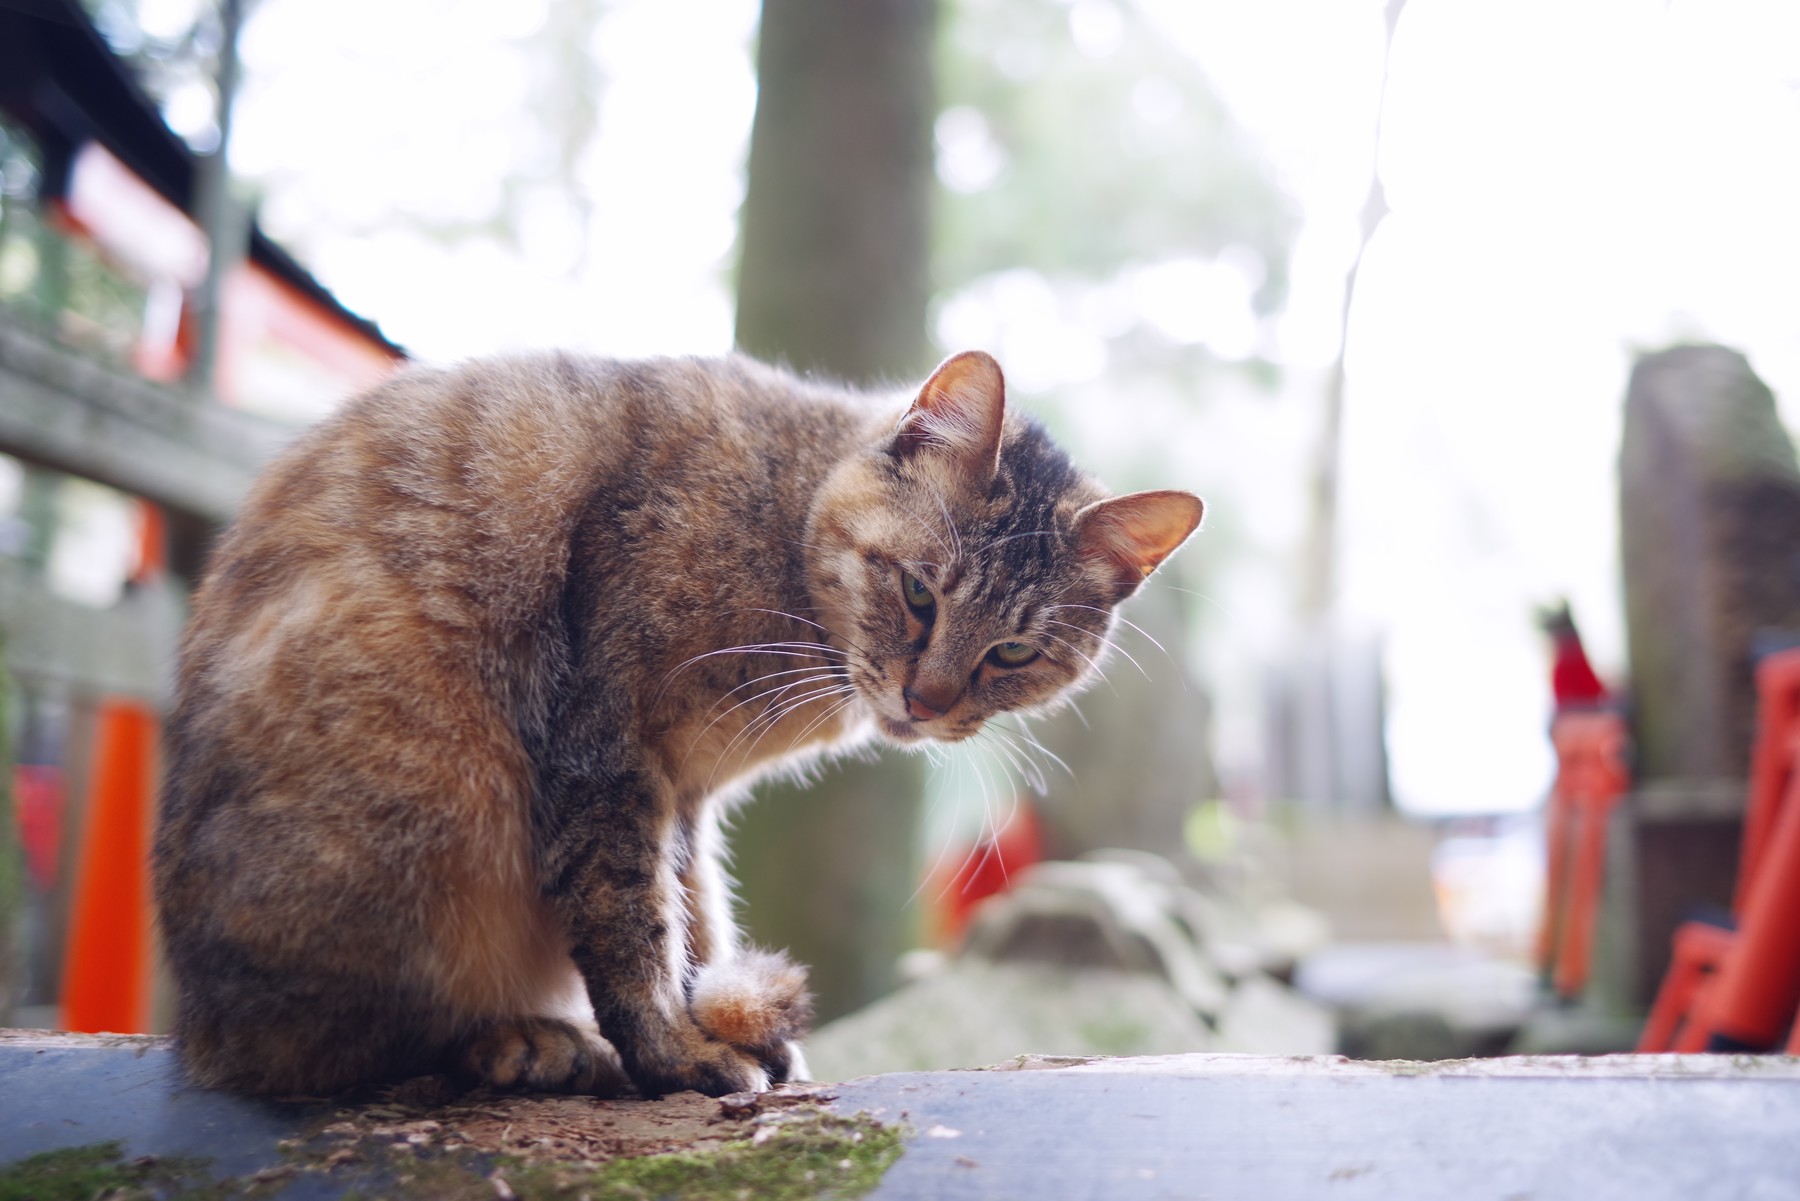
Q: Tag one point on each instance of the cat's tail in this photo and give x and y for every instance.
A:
(758, 1002)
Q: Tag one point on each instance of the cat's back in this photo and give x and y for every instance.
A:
(464, 484)
(394, 578)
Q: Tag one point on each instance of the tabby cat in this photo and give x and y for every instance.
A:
(473, 677)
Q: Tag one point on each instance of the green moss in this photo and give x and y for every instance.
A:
(802, 1153)
(809, 1156)
(456, 1177)
(100, 1170)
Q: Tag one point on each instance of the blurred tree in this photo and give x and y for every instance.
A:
(835, 266)
(1090, 169)
(834, 278)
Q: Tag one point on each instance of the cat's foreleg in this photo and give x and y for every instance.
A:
(613, 876)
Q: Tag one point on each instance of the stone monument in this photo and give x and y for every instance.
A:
(1709, 523)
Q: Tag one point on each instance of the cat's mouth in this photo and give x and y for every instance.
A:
(912, 731)
(900, 731)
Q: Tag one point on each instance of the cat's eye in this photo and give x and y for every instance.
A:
(1011, 654)
(918, 596)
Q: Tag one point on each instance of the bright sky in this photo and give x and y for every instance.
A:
(1568, 180)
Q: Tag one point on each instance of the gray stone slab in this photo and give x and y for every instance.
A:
(1219, 1127)
(1229, 1128)
(67, 1092)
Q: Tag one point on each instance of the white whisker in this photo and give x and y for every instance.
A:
(956, 545)
(823, 629)
(1024, 731)
(809, 677)
(1110, 643)
(1123, 620)
(1029, 775)
(1092, 665)
(760, 726)
(791, 650)
(958, 762)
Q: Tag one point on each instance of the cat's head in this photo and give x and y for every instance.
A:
(967, 568)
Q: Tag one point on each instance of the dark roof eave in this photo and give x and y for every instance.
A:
(60, 78)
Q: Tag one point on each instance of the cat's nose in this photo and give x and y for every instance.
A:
(925, 706)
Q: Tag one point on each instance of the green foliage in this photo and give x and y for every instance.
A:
(102, 308)
(20, 172)
(1105, 158)
(53, 278)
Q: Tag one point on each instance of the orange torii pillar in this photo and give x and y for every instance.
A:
(1751, 1001)
(107, 967)
(1591, 777)
(1738, 988)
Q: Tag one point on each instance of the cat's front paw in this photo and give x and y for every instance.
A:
(544, 1055)
(690, 1059)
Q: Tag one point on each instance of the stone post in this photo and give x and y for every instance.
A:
(1709, 522)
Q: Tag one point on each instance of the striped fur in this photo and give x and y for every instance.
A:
(467, 683)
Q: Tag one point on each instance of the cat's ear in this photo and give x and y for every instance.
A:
(958, 414)
(1134, 534)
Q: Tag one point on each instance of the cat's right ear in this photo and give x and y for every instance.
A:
(958, 414)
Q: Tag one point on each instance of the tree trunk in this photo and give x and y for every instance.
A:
(834, 275)
(834, 278)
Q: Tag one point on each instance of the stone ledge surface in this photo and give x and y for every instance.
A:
(1637, 1127)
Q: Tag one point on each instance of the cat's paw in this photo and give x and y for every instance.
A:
(538, 1054)
(756, 1001)
(704, 1065)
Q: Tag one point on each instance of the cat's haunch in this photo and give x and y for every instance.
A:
(470, 680)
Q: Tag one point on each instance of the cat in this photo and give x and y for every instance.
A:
(471, 681)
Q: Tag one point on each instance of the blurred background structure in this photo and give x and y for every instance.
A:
(1390, 282)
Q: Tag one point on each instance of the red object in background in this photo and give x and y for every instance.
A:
(1697, 951)
(1573, 683)
(988, 868)
(1590, 779)
(40, 801)
(1741, 987)
(1590, 743)
(150, 556)
(106, 977)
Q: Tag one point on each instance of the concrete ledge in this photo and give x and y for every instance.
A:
(1631, 1127)
(1337, 1067)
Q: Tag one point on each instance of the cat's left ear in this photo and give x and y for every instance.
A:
(958, 414)
(1134, 534)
